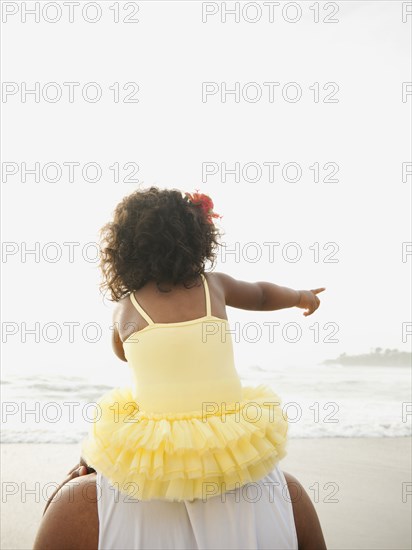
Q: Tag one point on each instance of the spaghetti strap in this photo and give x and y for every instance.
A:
(140, 309)
(207, 295)
(151, 322)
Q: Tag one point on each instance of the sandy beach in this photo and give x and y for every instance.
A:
(359, 487)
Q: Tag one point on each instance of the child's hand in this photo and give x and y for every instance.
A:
(309, 300)
(76, 471)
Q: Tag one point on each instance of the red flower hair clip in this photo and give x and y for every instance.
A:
(205, 203)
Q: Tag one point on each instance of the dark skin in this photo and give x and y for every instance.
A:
(183, 304)
(80, 469)
(71, 521)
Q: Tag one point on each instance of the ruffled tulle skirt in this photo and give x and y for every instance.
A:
(186, 456)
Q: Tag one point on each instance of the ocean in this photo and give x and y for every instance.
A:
(319, 400)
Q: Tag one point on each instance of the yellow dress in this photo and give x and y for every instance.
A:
(187, 429)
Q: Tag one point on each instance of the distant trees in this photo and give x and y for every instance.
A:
(389, 357)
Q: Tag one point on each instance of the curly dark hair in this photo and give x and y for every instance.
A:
(156, 235)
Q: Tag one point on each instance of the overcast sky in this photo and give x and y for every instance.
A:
(181, 134)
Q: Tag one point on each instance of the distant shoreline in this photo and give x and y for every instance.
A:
(376, 358)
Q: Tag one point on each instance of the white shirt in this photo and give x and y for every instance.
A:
(258, 515)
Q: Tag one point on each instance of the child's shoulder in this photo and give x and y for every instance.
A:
(237, 293)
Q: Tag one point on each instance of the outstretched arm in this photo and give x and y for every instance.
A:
(264, 296)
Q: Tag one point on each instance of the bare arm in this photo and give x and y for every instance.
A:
(278, 297)
(81, 469)
(117, 343)
(308, 529)
(264, 296)
(71, 521)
